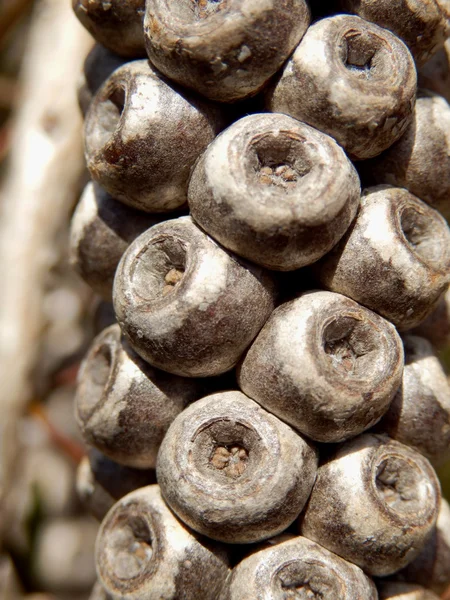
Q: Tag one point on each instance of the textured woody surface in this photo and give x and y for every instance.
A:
(275, 191)
(436, 327)
(324, 364)
(352, 80)
(395, 259)
(419, 415)
(101, 230)
(375, 502)
(422, 24)
(419, 160)
(98, 593)
(123, 405)
(297, 569)
(187, 305)
(390, 590)
(233, 471)
(142, 137)
(116, 24)
(435, 74)
(224, 49)
(144, 553)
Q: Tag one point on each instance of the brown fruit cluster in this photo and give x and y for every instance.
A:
(263, 214)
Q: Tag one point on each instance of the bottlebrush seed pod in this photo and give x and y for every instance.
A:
(419, 415)
(419, 160)
(391, 590)
(297, 568)
(325, 365)
(395, 259)
(431, 567)
(436, 327)
(100, 232)
(422, 24)
(352, 80)
(144, 553)
(142, 137)
(101, 481)
(275, 191)
(124, 406)
(375, 502)
(224, 49)
(234, 472)
(98, 66)
(186, 305)
(115, 24)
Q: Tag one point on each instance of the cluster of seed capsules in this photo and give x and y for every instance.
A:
(256, 370)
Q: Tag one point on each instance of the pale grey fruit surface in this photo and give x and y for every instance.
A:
(297, 568)
(142, 136)
(419, 415)
(431, 567)
(275, 191)
(375, 503)
(325, 365)
(115, 24)
(186, 304)
(224, 49)
(352, 80)
(124, 406)
(419, 160)
(101, 230)
(423, 25)
(234, 472)
(144, 553)
(391, 590)
(395, 259)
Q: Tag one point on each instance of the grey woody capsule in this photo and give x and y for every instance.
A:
(234, 472)
(432, 567)
(124, 406)
(275, 191)
(187, 305)
(101, 481)
(297, 568)
(352, 80)
(419, 415)
(419, 160)
(325, 365)
(422, 24)
(142, 137)
(100, 232)
(395, 259)
(144, 553)
(115, 24)
(375, 502)
(224, 49)
(391, 590)
(436, 327)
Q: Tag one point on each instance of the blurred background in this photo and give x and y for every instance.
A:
(47, 315)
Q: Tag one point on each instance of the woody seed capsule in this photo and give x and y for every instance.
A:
(419, 415)
(224, 49)
(352, 80)
(436, 327)
(395, 259)
(325, 365)
(275, 191)
(123, 405)
(142, 137)
(144, 553)
(100, 232)
(391, 590)
(297, 568)
(375, 502)
(186, 305)
(233, 471)
(115, 24)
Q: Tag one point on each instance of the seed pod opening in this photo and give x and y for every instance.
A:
(325, 365)
(275, 191)
(352, 80)
(234, 472)
(375, 503)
